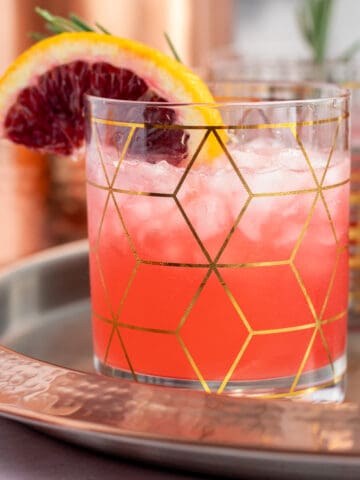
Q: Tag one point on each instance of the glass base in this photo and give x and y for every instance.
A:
(323, 385)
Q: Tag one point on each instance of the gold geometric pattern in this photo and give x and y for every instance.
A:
(212, 266)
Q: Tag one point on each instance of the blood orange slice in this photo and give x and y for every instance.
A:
(42, 93)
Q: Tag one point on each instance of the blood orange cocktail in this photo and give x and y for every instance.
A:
(226, 269)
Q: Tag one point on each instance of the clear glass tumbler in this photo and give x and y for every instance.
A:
(219, 240)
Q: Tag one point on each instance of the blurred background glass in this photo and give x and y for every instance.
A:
(271, 43)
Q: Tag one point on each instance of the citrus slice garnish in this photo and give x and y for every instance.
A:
(42, 93)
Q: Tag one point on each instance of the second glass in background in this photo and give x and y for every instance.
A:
(229, 65)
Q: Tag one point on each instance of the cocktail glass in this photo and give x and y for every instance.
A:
(219, 240)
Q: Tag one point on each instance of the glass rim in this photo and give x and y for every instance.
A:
(229, 53)
(337, 93)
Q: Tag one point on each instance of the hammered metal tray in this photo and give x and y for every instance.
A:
(47, 381)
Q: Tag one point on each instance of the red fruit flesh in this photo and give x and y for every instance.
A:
(49, 116)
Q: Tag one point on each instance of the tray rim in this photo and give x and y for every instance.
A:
(60, 425)
(48, 254)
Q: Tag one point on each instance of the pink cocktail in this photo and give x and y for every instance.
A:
(227, 273)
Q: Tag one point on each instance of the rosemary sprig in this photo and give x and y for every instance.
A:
(172, 48)
(80, 23)
(314, 23)
(314, 19)
(102, 29)
(37, 36)
(350, 51)
(56, 24)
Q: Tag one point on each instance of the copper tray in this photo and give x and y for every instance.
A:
(47, 381)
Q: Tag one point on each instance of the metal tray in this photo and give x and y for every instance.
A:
(47, 381)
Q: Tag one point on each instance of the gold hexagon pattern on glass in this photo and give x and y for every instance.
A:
(212, 311)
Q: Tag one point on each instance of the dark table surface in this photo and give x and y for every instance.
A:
(26, 454)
